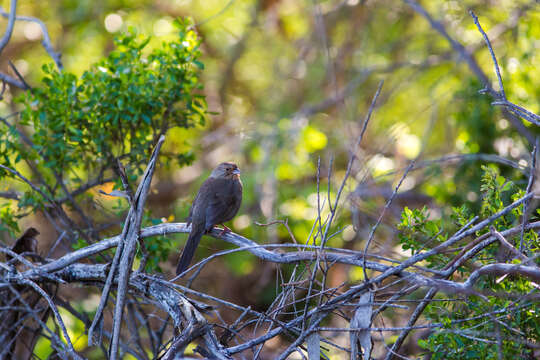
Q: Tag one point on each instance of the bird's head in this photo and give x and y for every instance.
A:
(226, 170)
(30, 232)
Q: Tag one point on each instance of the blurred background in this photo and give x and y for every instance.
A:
(288, 85)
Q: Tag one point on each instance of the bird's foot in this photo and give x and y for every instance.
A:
(225, 230)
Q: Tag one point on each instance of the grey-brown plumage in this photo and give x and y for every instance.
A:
(27, 243)
(217, 201)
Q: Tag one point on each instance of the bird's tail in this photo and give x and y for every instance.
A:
(190, 247)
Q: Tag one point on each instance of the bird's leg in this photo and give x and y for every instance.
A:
(225, 230)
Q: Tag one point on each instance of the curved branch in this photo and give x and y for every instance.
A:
(46, 42)
(11, 23)
(256, 249)
(531, 272)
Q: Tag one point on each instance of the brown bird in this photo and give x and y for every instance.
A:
(217, 201)
(27, 243)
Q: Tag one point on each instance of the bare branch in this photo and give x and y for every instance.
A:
(493, 58)
(21, 78)
(56, 314)
(362, 319)
(473, 65)
(386, 206)
(11, 23)
(130, 236)
(532, 177)
(519, 111)
(46, 42)
(531, 272)
(507, 245)
(12, 81)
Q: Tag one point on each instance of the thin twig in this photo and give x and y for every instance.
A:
(19, 75)
(282, 222)
(493, 57)
(532, 175)
(56, 314)
(386, 206)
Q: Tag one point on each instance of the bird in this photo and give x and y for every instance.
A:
(218, 200)
(26, 243)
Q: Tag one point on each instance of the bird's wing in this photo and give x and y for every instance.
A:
(237, 198)
(222, 203)
(190, 216)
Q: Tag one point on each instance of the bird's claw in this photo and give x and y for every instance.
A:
(224, 231)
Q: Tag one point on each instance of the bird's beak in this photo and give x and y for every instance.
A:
(236, 172)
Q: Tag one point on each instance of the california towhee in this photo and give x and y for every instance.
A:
(217, 201)
(27, 243)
